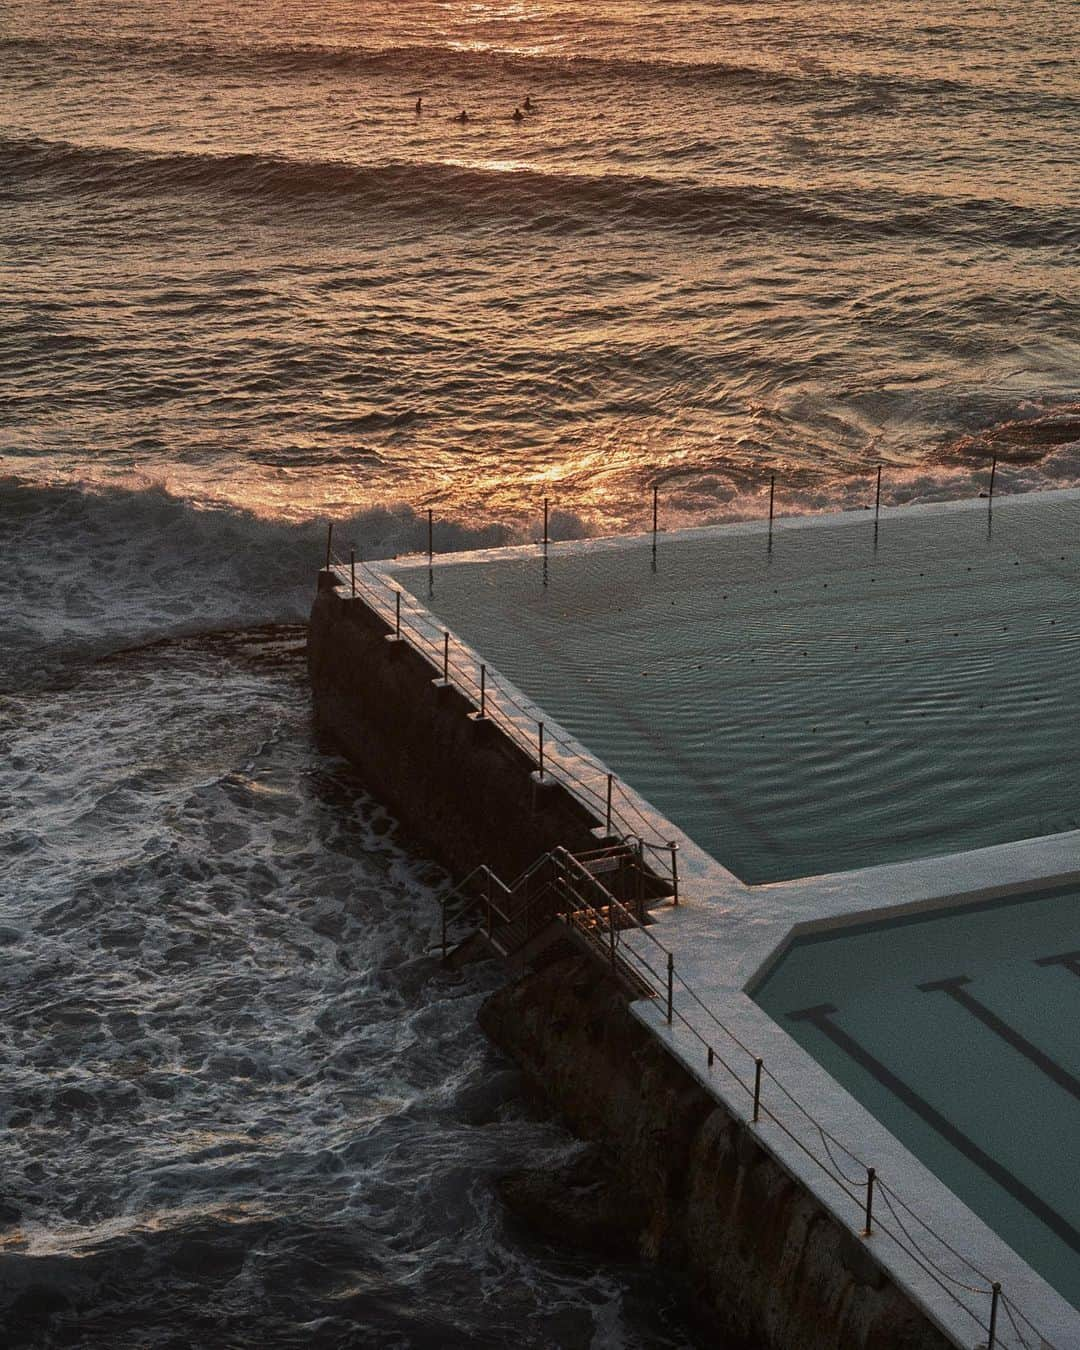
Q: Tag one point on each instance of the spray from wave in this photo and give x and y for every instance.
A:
(91, 567)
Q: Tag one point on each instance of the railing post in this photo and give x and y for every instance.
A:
(488, 904)
(670, 986)
(877, 495)
(611, 936)
(993, 475)
(329, 542)
(655, 510)
(995, 1297)
(540, 745)
(610, 780)
(444, 932)
(430, 534)
(758, 1066)
(545, 520)
(674, 871)
(712, 1056)
(446, 657)
(868, 1227)
(352, 570)
(640, 878)
(397, 614)
(483, 691)
(772, 498)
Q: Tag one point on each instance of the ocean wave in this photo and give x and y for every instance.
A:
(412, 61)
(535, 199)
(94, 568)
(418, 63)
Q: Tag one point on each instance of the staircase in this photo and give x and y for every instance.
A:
(584, 900)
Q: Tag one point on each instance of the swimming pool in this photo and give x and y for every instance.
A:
(820, 699)
(958, 1030)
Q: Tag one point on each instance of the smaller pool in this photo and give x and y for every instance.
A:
(960, 1031)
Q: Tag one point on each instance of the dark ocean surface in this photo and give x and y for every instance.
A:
(245, 287)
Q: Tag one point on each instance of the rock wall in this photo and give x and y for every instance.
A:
(773, 1267)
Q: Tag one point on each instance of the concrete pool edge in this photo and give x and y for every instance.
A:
(735, 930)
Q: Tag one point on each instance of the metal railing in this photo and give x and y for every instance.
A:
(601, 793)
(570, 892)
(623, 819)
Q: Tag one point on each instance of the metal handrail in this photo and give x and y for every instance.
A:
(661, 984)
(582, 892)
(441, 659)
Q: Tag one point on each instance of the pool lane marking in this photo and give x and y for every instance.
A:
(954, 987)
(1070, 960)
(819, 1016)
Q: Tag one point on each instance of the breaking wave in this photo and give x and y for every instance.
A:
(539, 200)
(92, 568)
(417, 63)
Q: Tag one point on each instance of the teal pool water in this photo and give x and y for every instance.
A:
(958, 1030)
(845, 698)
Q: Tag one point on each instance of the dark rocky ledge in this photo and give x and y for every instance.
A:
(677, 1181)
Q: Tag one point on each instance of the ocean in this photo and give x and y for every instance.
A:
(248, 288)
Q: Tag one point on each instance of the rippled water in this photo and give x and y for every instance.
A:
(729, 238)
(248, 287)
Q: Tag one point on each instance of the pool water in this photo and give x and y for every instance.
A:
(958, 1030)
(839, 696)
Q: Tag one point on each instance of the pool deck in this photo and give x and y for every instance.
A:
(724, 934)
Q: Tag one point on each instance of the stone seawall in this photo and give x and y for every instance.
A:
(775, 1270)
(460, 787)
(771, 1265)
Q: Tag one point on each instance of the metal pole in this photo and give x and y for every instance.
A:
(655, 508)
(869, 1227)
(430, 534)
(670, 985)
(993, 475)
(610, 780)
(397, 614)
(329, 541)
(444, 932)
(995, 1296)
(640, 877)
(712, 1056)
(674, 871)
(772, 496)
(877, 496)
(483, 691)
(488, 879)
(611, 935)
(352, 570)
(540, 742)
(446, 657)
(545, 520)
(758, 1065)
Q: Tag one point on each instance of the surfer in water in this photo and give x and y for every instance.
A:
(418, 107)
(462, 116)
(518, 115)
(528, 105)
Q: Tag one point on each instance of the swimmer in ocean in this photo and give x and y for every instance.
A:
(417, 108)
(462, 116)
(528, 105)
(518, 115)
